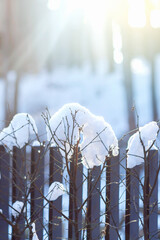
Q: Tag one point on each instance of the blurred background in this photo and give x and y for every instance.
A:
(102, 54)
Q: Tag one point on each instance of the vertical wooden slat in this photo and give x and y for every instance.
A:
(89, 204)
(4, 191)
(108, 212)
(127, 211)
(79, 185)
(71, 200)
(55, 174)
(95, 207)
(19, 187)
(114, 198)
(19, 174)
(153, 201)
(75, 196)
(132, 204)
(94, 203)
(37, 184)
(146, 199)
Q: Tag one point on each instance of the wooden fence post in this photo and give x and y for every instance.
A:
(153, 193)
(79, 186)
(112, 198)
(132, 204)
(37, 182)
(19, 183)
(93, 205)
(4, 191)
(75, 196)
(71, 200)
(55, 174)
(108, 185)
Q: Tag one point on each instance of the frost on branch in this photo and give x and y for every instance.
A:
(56, 189)
(74, 123)
(17, 208)
(142, 139)
(19, 131)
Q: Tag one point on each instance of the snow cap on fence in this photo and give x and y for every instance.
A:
(142, 138)
(19, 131)
(56, 189)
(98, 140)
(36, 144)
(17, 208)
(98, 137)
(64, 126)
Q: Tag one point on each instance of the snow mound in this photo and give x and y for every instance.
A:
(74, 123)
(98, 141)
(56, 189)
(19, 131)
(60, 130)
(17, 208)
(144, 137)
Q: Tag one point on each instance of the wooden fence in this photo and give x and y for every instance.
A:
(23, 178)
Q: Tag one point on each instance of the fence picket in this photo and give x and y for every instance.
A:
(153, 201)
(114, 198)
(19, 183)
(93, 208)
(55, 174)
(37, 182)
(4, 191)
(71, 200)
(108, 185)
(75, 198)
(132, 203)
(79, 186)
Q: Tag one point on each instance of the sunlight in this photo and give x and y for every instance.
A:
(155, 18)
(94, 12)
(155, 3)
(91, 18)
(53, 4)
(136, 14)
